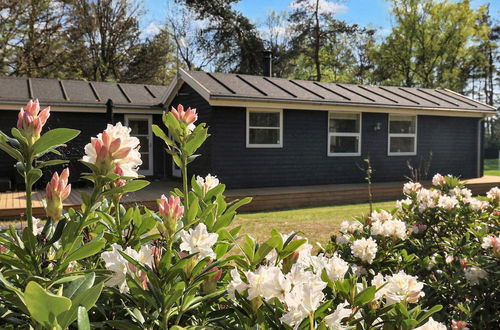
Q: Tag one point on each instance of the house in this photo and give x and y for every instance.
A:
(88, 107)
(269, 131)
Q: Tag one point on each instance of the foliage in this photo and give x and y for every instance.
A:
(183, 266)
(449, 243)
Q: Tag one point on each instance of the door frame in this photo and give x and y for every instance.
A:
(150, 138)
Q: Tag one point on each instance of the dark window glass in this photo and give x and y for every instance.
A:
(264, 119)
(144, 142)
(140, 127)
(344, 144)
(264, 136)
(344, 123)
(402, 144)
(402, 124)
(145, 161)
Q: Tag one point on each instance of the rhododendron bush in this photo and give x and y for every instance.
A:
(444, 236)
(184, 266)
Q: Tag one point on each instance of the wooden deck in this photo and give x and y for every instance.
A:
(12, 205)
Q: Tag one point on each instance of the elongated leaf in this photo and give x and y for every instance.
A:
(365, 296)
(159, 133)
(52, 163)
(79, 285)
(54, 138)
(131, 186)
(87, 299)
(87, 250)
(34, 175)
(44, 307)
(266, 247)
(83, 319)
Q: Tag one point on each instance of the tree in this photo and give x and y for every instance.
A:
(155, 62)
(31, 37)
(317, 34)
(228, 36)
(103, 37)
(429, 45)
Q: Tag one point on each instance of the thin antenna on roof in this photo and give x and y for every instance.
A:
(65, 95)
(30, 89)
(124, 94)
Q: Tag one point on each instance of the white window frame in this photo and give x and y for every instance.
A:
(413, 135)
(149, 118)
(358, 135)
(248, 127)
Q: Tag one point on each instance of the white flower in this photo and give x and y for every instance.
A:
(37, 228)
(447, 202)
(302, 300)
(378, 281)
(236, 284)
(389, 228)
(494, 194)
(115, 262)
(342, 239)
(267, 282)
(381, 216)
(198, 241)
(350, 226)
(438, 180)
(411, 187)
(432, 325)
(115, 148)
(474, 274)
(461, 193)
(334, 320)
(492, 242)
(402, 203)
(402, 287)
(336, 268)
(144, 256)
(427, 199)
(476, 204)
(208, 183)
(365, 249)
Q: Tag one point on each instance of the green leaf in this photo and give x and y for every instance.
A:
(44, 307)
(87, 299)
(266, 247)
(34, 175)
(365, 296)
(87, 250)
(14, 153)
(427, 314)
(159, 133)
(130, 186)
(52, 163)
(79, 285)
(53, 138)
(83, 319)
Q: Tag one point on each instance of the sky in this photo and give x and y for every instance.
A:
(368, 13)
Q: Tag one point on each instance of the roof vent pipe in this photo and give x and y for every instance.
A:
(267, 63)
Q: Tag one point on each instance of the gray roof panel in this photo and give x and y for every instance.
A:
(234, 86)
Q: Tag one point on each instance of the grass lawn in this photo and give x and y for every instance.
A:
(491, 167)
(316, 223)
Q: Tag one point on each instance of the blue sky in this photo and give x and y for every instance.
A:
(371, 13)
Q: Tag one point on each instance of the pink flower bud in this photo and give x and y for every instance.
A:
(57, 191)
(31, 121)
(459, 325)
(187, 117)
(171, 210)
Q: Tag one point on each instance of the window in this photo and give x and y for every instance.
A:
(402, 135)
(344, 134)
(264, 128)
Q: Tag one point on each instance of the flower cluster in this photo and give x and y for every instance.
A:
(171, 211)
(364, 249)
(400, 287)
(112, 148)
(198, 240)
(31, 121)
(57, 191)
(207, 183)
(120, 267)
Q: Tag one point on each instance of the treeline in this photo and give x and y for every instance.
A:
(445, 44)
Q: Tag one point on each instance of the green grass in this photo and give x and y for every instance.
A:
(316, 223)
(491, 167)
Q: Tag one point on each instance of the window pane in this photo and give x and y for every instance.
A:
(402, 124)
(346, 144)
(264, 119)
(402, 144)
(344, 123)
(145, 161)
(139, 126)
(144, 143)
(264, 136)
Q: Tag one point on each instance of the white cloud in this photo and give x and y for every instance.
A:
(324, 6)
(152, 29)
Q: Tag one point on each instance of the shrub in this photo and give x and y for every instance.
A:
(442, 235)
(184, 266)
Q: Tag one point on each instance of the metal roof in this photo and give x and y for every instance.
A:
(80, 93)
(260, 88)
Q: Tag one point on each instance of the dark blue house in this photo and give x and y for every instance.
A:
(269, 131)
